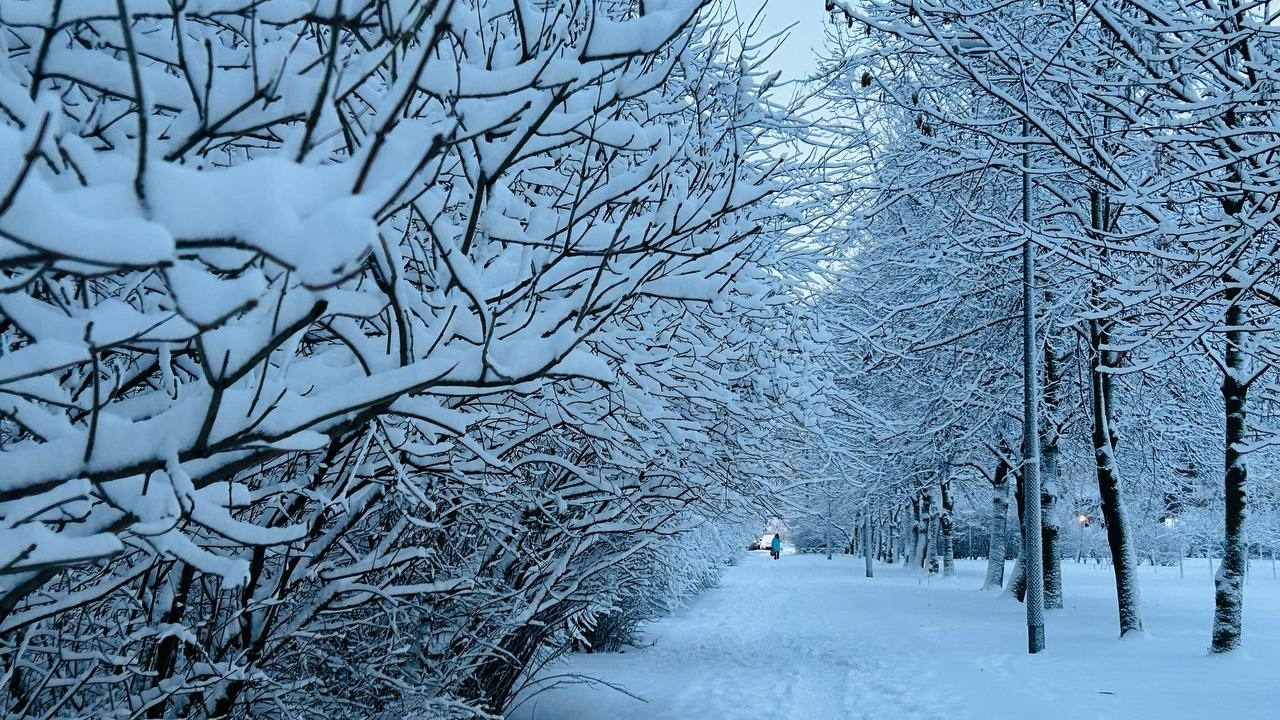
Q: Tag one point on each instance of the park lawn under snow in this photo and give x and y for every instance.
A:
(806, 638)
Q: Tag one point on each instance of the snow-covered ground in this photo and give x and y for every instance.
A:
(804, 638)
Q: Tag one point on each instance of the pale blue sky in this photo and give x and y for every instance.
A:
(796, 58)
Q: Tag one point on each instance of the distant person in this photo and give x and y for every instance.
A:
(775, 546)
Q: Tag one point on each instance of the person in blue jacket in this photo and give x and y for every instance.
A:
(775, 546)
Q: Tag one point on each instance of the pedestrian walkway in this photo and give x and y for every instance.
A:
(806, 638)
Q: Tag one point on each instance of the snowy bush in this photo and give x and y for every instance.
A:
(346, 346)
(671, 571)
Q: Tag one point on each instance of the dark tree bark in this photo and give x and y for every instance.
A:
(866, 544)
(167, 650)
(1018, 583)
(891, 546)
(882, 533)
(914, 549)
(925, 549)
(1110, 487)
(1049, 454)
(999, 526)
(947, 531)
(1228, 599)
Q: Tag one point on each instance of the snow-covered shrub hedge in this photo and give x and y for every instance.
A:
(670, 572)
(346, 344)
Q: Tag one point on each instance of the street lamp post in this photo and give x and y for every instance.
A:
(1032, 542)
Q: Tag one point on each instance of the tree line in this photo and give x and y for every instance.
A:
(1133, 144)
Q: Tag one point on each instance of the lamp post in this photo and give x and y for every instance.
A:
(1033, 543)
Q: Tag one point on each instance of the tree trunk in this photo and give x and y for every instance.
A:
(1018, 583)
(1049, 453)
(873, 537)
(882, 532)
(866, 544)
(920, 552)
(947, 527)
(892, 539)
(914, 549)
(999, 527)
(167, 650)
(1123, 557)
(1228, 598)
(891, 544)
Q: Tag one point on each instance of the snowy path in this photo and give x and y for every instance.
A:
(804, 638)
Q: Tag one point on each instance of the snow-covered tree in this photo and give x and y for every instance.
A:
(1147, 126)
(362, 354)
